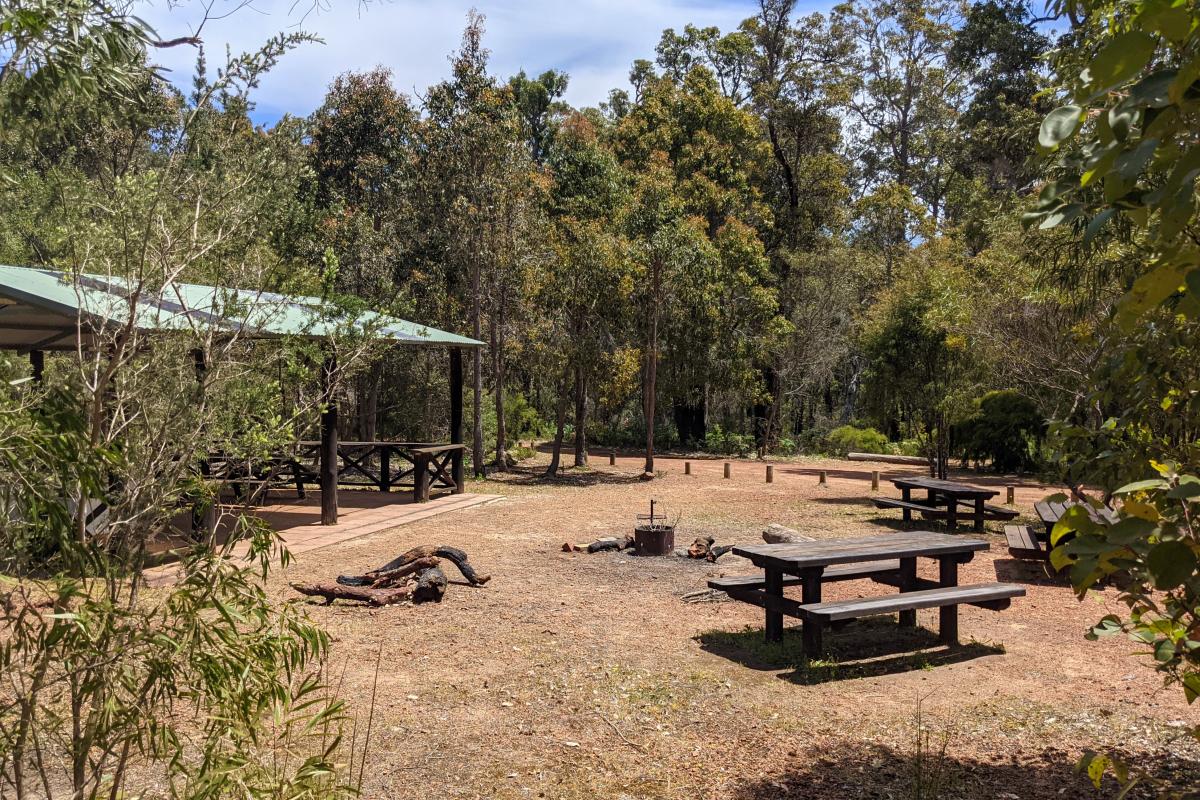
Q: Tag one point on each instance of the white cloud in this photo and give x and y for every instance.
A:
(594, 41)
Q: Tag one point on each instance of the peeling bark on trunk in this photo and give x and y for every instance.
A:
(496, 337)
(477, 377)
(649, 386)
(581, 456)
(560, 413)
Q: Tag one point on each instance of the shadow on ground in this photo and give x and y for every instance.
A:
(863, 649)
(864, 771)
(1035, 573)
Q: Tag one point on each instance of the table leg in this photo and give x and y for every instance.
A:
(979, 514)
(951, 514)
(906, 494)
(774, 586)
(908, 582)
(811, 588)
(948, 615)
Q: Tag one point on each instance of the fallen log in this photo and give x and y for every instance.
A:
(701, 547)
(717, 552)
(885, 458)
(452, 554)
(600, 545)
(364, 594)
(777, 534)
(401, 575)
(430, 586)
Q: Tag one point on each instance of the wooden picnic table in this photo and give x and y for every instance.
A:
(385, 465)
(889, 558)
(942, 499)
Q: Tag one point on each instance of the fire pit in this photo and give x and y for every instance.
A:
(653, 535)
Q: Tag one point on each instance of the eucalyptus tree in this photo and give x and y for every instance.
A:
(588, 280)
(475, 171)
(697, 157)
(906, 99)
(538, 100)
(363, 158)
(799, 82)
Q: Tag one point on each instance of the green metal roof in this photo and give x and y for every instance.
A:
(41, 308)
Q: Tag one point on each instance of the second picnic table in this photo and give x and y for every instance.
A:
(886, 558)
(942, 499)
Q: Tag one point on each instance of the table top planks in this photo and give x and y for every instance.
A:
(1052, 512)
(879, 547)
(949, 488)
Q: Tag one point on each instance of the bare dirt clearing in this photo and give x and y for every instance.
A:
(578, 676)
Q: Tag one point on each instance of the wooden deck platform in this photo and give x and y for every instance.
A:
(361, 513)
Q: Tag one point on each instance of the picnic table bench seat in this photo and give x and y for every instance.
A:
(993, 596)
(940, 511)
(842, 572)
(1024, 543)
(909, 505)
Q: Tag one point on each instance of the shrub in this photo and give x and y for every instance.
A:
(522, 420)
(1007, 431)
(786, 446)
(849, 439)
(727, 443)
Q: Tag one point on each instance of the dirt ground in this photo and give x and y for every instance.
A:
(586, 676)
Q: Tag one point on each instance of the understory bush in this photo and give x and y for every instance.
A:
(850, 439)
(727, 443)
(786, 446)
(1006, 431)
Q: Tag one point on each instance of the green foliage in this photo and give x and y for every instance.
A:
(849, 439)
(523, 420)
(1006, 431)
(919, 365)
(1127, 153)
(205, 683)
(1121, 190)
(718, 440)
(1154, 547)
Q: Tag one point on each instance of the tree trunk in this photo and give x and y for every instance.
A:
(497, 343)
(368, 409)
(477, 378)
(560, 412)
(581, 455)
(651, 374)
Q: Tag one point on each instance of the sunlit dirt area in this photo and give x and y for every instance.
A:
(575, 675)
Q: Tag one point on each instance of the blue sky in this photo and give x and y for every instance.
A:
(594, 41)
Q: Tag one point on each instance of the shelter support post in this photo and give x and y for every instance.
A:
(329, 446)
(37, 364)
(456, 417)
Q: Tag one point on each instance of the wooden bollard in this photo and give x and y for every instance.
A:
(612, 459)
(1010, 496)
(687, 468)
(770, 474)
(822, 478)
(726, 469)
(875, 481)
